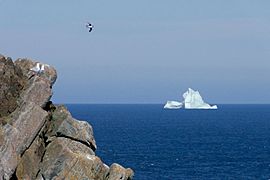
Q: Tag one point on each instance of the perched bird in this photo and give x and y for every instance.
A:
(42, 68)
(89, 26)
(39, 68)
(36, 68)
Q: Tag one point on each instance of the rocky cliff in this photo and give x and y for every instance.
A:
(39, 140)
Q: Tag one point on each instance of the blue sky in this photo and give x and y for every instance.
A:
(145, 51)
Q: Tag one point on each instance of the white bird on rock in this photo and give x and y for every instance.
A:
(42, 68)
(35, 68)
(39, 68)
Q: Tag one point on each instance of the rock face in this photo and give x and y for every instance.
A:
(39, 140)
(12, 82)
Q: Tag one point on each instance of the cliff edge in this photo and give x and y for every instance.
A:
(39, 140)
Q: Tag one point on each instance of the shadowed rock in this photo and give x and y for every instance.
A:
(12, 82)
(63, 125)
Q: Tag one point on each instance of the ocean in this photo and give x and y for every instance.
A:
(232, 142)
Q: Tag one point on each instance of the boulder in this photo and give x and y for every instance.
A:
(62, 162)
(118, 172)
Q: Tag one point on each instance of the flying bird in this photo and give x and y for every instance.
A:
(89, 26)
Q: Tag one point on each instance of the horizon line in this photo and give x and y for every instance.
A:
(141, 103)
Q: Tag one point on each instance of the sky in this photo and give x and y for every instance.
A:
(144, 51)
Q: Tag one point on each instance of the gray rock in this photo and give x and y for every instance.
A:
(37, 82)
(18, 136)
(117, 172)
(32, 93)
(75, 146)
(12, 82)
(63, 125)
(22, 117)
(29, 164)
(26, 64)
(39, 140)
(62, 162)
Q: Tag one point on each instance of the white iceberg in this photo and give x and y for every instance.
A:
(193, 100)
(173, 105)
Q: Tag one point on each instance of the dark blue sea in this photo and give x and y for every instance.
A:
(232, 142)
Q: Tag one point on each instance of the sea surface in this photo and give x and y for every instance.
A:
(232, 142)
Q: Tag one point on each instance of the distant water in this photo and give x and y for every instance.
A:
(232, 142)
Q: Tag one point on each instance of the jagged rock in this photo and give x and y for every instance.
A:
(39, 140)
(26, 120)
(26, 64)
(37, 83)
(32, 94)
(29, 165)
(12, 82)
(19, 135)
(118, 172)
(63, 125)
(61, 161)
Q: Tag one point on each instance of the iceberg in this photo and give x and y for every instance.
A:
(193, 100)
(173, 105)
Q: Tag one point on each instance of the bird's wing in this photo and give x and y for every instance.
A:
(34, 69)
(42, 67)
